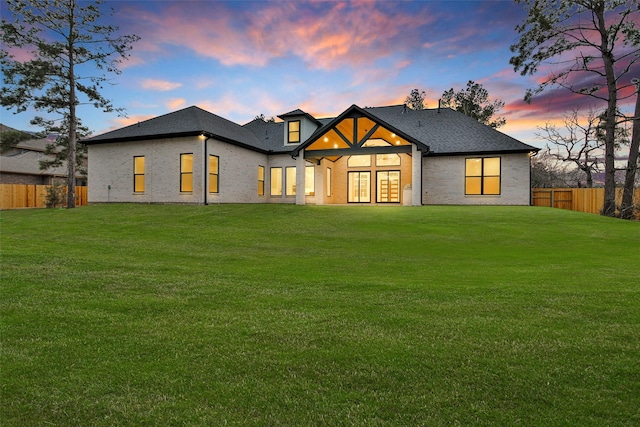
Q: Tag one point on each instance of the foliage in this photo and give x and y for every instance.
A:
(55, 195)
(415, 100)
(474, 102)
(59, 149)
(70, 54)
(9, 138)
(318, 315)
(604, 39)
(264, 119)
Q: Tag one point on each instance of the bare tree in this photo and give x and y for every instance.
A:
(579, 142)
(631, 173)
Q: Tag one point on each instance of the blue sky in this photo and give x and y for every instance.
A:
(239, 59)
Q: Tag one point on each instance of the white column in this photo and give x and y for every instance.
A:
(300, 175)
(416, 176)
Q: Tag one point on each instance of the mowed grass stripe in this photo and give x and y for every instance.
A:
(319, 315)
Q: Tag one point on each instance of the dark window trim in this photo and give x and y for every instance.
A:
(271, 183)
(286, 187)
(216, 174)
(482, 176)
(182, 173)
(349, 193)
(138, 174)
(261, 181)
(399, 183)
(293, 132)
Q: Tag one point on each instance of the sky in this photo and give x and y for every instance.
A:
(239, 59)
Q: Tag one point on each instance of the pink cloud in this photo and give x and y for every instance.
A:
(159, 85)
(175, 103)
(325, 35)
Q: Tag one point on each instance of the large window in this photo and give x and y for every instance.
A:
(359, 190)
(310, 181)
(260, 180)
(138, 174)
(214, 168)
(482, 176)
(293, 135)
(186, 173)
(276, 181)
(290, 181)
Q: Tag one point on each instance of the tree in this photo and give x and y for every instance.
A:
(70, 56)
(264, 119)
(9, 138)
(548, 172)
(627, 206)
(415, 100)
(474, 102)
(581, 142)
(604, 38)
(59, 149)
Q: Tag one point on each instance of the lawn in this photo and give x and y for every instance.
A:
(254, 315)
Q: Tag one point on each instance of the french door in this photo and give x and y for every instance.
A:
(388, 187)
(359, 190)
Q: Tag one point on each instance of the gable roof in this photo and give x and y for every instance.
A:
(299, 113)
(447, 132)
(190, 121)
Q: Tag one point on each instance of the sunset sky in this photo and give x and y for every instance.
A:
(239, 59)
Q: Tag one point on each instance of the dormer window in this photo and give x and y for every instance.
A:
(293, 132)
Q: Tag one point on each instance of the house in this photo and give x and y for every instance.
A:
(379, 155)
(21, 164)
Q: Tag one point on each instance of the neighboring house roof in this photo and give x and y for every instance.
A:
(25, 157)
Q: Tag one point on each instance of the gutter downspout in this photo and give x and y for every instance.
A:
(205, 172)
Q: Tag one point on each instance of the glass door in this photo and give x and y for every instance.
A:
(359, 190)
(388, 187)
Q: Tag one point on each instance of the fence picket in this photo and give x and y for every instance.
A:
(17, 196)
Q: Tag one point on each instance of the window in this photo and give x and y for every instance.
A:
(214, 167)
(138, 174)
(359, 187)
(310, 181)
(328, 182)
(359, 161)
(391, 159)
(186, 173)
(276, 181)
(260, 180)
(293, 128)
(290, 181)
(482, 176)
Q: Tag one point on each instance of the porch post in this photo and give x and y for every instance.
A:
(416, 176)
(300, 175)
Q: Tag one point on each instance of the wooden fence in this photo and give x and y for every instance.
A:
(17, 196)
(576, 199)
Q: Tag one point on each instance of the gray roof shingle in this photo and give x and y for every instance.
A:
(444, 131)
(186, 122)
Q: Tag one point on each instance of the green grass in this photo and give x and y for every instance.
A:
(296, 316)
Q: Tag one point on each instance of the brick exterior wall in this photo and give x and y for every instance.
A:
(443, 180)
